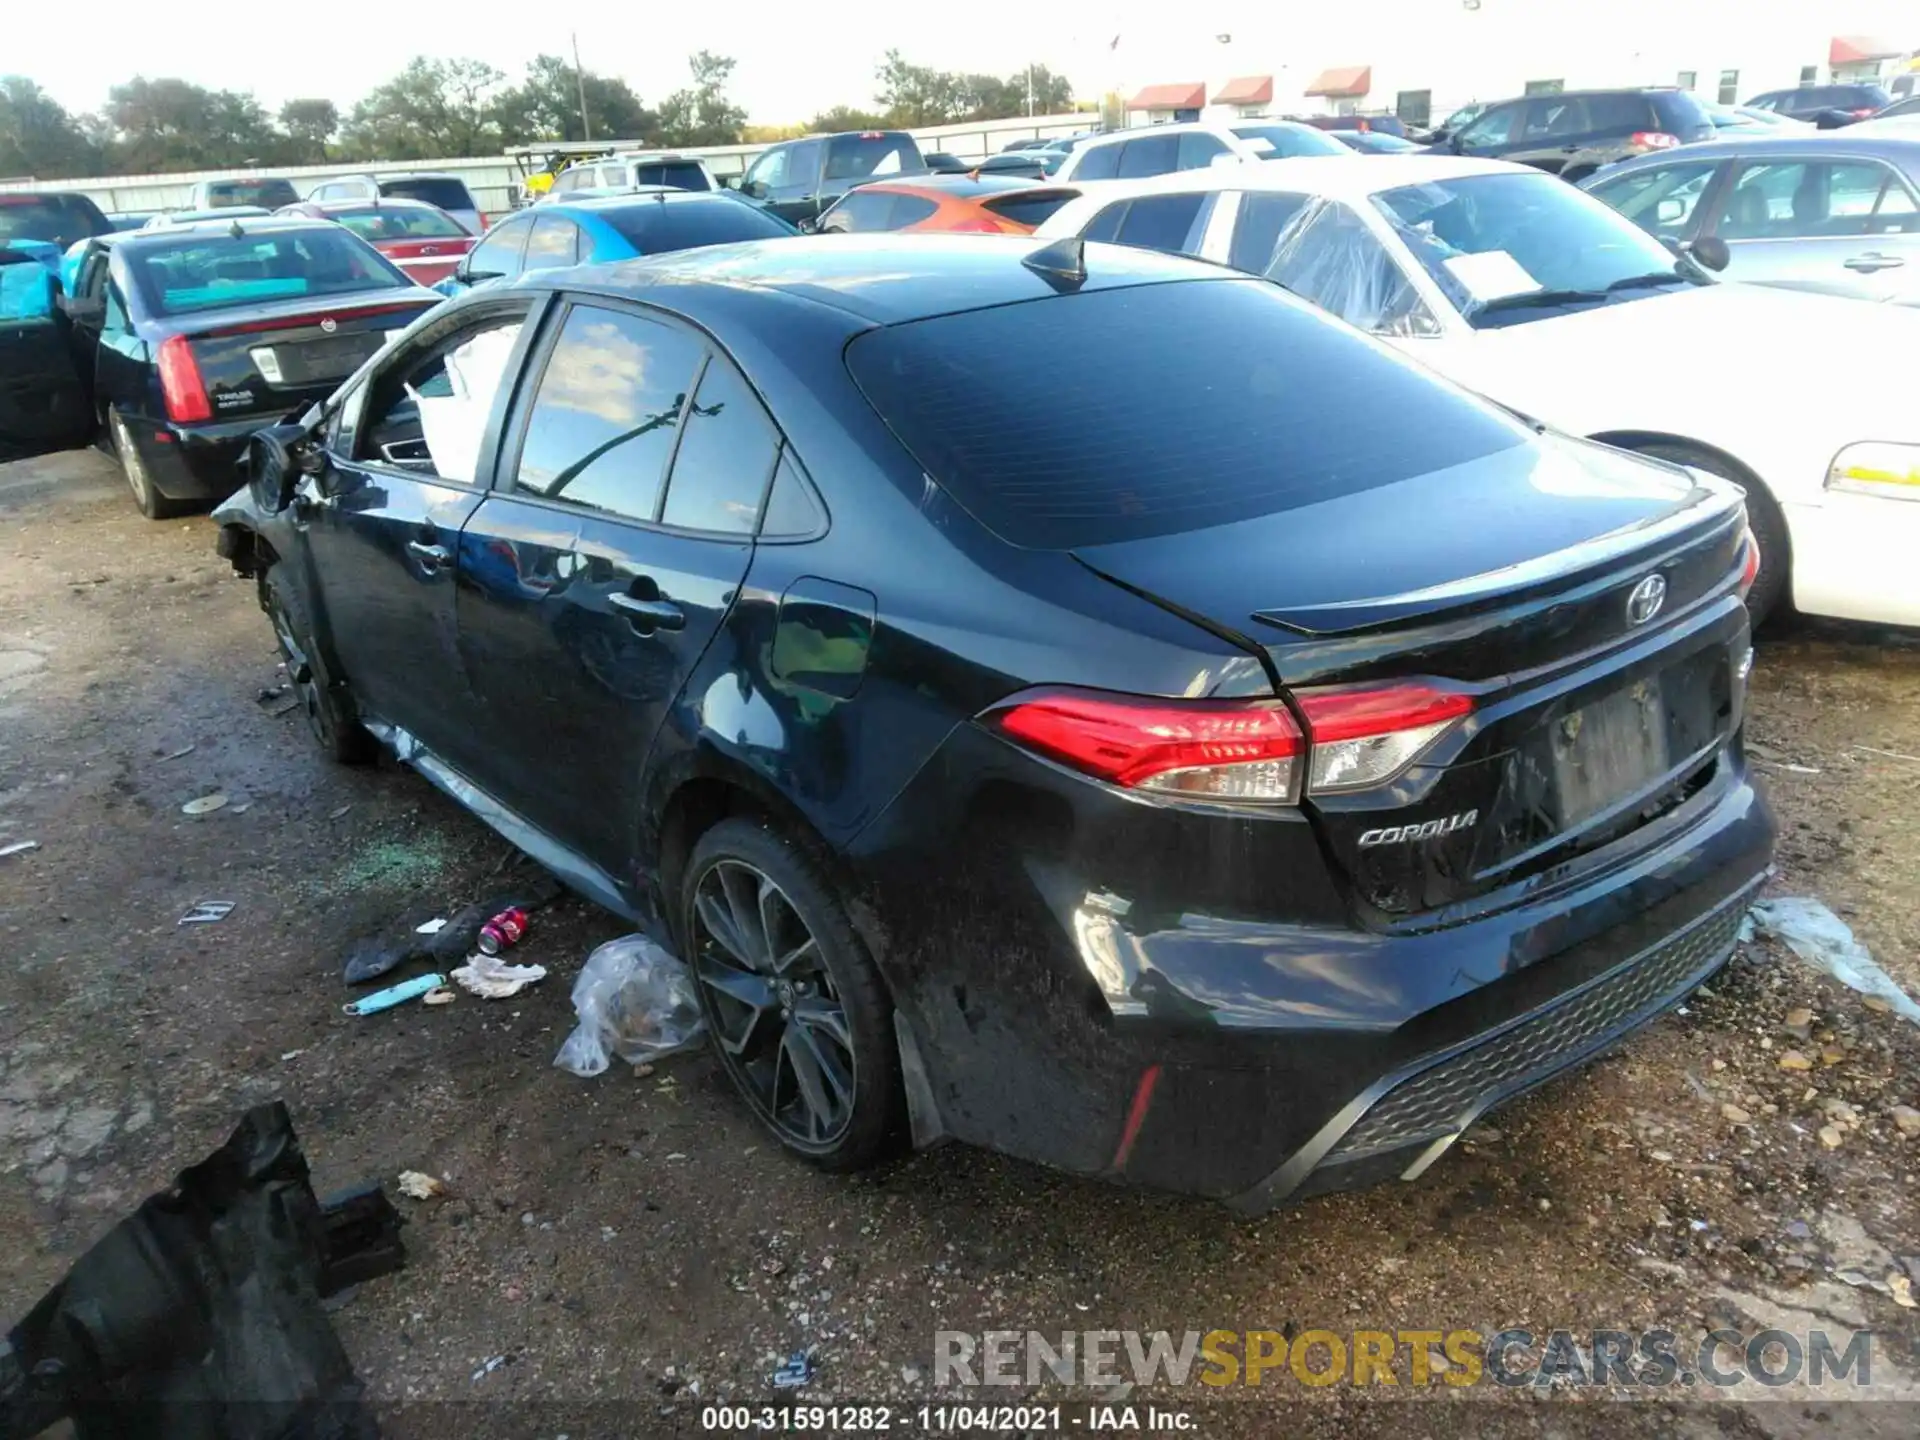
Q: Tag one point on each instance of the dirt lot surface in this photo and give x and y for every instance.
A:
(631, 1250)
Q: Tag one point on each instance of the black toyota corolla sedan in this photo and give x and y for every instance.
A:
(186, 339)
(1233, 774)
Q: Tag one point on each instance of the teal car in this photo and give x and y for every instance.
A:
(652, 221)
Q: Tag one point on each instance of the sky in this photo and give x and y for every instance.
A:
(795, 60)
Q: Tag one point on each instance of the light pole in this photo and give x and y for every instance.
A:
(580, 81)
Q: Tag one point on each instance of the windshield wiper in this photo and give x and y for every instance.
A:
(1534, 299)
(1647, 281)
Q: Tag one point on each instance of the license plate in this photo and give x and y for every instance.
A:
(330, 359)
(1609, 750)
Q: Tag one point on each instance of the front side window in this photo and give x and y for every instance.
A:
(769, 170)
(498, 255)
(606, 413)
(1263, 216)
(426, 411)
(1494, 127)
(553, 243)
(725, 458)
(1816, 199)
(803, 164)
(1547, 119)
(1197, 149)
(1661, 200)
(1327, 254)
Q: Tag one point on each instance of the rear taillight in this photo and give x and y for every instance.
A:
(1863, 114)
(1364, 735)
(1645, 140)
(181, 387)
(1197, 750)
(1749, 563)
(1236, 751)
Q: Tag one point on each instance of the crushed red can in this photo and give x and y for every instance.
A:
(503, 931)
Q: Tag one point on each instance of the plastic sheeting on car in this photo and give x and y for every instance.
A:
(1324, 252)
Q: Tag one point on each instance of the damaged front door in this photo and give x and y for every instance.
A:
(407, 464)
(43, 401)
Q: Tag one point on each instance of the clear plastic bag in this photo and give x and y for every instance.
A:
(635, 1001)
(1823, 940)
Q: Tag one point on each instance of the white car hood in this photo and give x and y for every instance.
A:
(1769, 376)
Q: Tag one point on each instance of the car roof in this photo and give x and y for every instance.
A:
(249, 225)
(1351, 176)
(639, 195)
(372, 202)
(1847, 140)
(881, 279)
(649, 156)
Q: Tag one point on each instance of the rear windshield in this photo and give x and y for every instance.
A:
(1681, 110)
(201, 272)
(1851, 97)
(56, 219)
(447, 194)
(656, 226)
(391, 224)
(853, 157)
(268, 194)
(1168, 408)
(679, 174)
(1029, 208)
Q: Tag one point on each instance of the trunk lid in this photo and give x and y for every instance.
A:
(276, 356)
(1510, 578)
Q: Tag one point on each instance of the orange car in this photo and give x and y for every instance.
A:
(980, 204)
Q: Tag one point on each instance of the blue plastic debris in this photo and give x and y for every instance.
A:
(796, 1372)
(1822, 939)
(394, 995)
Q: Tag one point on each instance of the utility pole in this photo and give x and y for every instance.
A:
(580, 79)
(1029, 89)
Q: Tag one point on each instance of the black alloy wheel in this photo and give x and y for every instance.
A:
(329, 715)
(800, 1020)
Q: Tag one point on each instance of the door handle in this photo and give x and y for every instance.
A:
(431, 557)
(649, 614)
(1872, 261)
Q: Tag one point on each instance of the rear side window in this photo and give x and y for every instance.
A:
(1171, 407)
(654, 227)
(1172, 223)
(854, 157)
(679, 174)
(606, 413)
(1619, 112)
(859, 212)
(1029, 207)
(1149, 155)
(725, 458)
(1679, 111)
(447, 193)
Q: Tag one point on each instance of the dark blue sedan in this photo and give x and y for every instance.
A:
(1037, 695)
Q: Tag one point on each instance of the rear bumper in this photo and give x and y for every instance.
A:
(1108, 1011)
(1853, 557)
(195, 462)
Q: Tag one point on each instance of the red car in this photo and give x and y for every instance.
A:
(422, 239)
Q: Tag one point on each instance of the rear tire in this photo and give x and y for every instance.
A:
(1768, 595)
(146, 495)
(799, 1017)
(329, 709)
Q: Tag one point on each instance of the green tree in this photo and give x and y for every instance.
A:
(38, 137)
(845, 117)
(702, 114)
(431, 110)
(172, 124)
(920, 95)
(546, 106)
(309, 125)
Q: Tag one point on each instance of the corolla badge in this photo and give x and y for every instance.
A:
(1645, 599)
(1426, 830)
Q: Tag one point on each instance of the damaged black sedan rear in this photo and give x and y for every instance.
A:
(1194, 779)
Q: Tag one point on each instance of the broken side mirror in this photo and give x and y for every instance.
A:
(277, 458)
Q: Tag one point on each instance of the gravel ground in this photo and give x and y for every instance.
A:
(629, 1248)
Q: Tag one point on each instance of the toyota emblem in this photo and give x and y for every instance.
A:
(330, 325)
(1645, 599)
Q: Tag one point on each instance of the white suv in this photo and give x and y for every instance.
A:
(637, 170)
(1164, 149)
